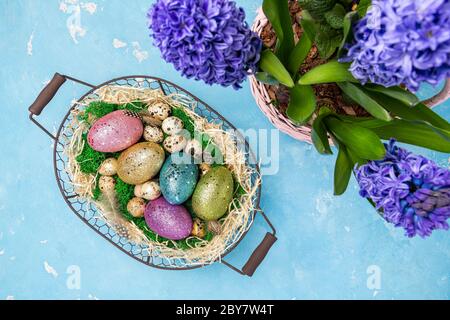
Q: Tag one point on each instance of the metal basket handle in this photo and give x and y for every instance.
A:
(258, 254)
(47, 95)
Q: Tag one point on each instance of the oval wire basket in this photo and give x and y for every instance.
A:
(282, 122)
(87, 211)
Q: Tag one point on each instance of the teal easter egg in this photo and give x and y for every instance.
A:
(178, 178)
(213, 194)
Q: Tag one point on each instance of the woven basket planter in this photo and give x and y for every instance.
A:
(281, 121)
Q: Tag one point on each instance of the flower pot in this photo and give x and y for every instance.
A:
(264, 100)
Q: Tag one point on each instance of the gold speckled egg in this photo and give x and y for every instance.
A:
(108, 167)
(198, 228)
(140, 162)
(106, 183)
(136, 207)
(174, 143)
(172, 125)
(153, 134)
(149, 190)
(160, 110)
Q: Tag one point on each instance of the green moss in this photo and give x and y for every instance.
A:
(98, 109)
(96, 193)
(124, 193)
(89, 159)
(238, 190)
(209, 236)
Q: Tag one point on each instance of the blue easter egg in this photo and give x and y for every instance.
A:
(178, 178)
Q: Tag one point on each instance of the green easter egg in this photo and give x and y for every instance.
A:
(213, 194)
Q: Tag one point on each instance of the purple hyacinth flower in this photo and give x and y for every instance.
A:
(402, 42)
(206, 40)
(411, 190)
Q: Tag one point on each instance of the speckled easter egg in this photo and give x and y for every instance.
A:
(169, 221)
(213, 194)
(172, 125)
(160, 110)
(140, 162)
(115, 132)
(178, 178)
(175, 143)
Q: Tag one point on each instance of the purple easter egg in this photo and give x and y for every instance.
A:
(169, 221)
(115, 132)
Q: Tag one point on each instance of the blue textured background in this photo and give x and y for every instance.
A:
(326, 244)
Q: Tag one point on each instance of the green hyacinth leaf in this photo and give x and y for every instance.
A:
(299, 54)
(419, 112)
(273, 66)
(418, 134)
(319, 134)
(362, 141)
(395, 92)
(332, 71)
(342, 170)
(278, 14)
(357, 93)
(302, 103)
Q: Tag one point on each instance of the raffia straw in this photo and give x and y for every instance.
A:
(233, 226)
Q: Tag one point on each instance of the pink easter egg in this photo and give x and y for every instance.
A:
(115, 132)
(169, 221)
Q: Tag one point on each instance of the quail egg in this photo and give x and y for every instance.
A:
(149, 190)
(174, 144)
(160, 110)
(136, 207)
(198, 228)
(108, 167)
(106, 183)
(172, 125)
(204, 168)
(153, 134)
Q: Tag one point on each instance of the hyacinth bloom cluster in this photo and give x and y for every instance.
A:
(411, 190)
(206, 40)
(402, 42)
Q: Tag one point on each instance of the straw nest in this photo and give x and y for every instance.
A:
(232, 227)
